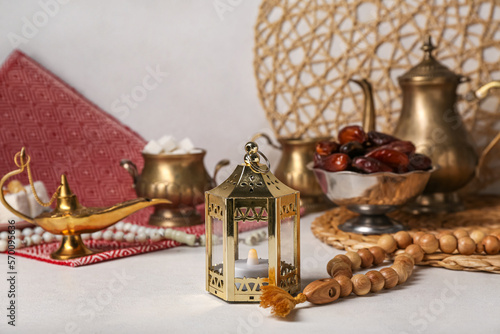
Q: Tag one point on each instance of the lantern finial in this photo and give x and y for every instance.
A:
(252, 158)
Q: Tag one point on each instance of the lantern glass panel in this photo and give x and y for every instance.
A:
(217, 244)
(287, 237)
(246, 244)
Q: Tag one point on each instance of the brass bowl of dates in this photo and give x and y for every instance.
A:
(371, 174)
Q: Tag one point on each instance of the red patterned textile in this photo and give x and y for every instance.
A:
(63, 132)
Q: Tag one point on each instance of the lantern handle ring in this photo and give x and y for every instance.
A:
(252, 158)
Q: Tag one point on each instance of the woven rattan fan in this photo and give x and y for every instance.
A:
(306, 51)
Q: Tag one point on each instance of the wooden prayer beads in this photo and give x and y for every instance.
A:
(341, 267)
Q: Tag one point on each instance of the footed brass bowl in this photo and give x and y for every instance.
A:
(372, 196)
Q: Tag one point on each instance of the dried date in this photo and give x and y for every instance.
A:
(352, 149)
(336, 162)
(379, 138)
(327, 147)
(420, 162)
(396, 160)
(370, 165)
(402, 146)
(352, 133)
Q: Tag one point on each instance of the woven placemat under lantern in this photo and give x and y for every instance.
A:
(481, 213)
(306, 51)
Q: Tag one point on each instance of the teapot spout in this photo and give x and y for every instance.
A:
(91, 219)
(104, 217)
(369, 107)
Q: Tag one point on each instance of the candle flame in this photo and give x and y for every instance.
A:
(253, 258)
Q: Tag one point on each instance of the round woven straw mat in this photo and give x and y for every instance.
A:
(482, 213)
(306, 51)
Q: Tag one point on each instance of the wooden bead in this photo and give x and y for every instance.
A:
(345, 285)
(355, 260)
(429, 243)
(407, 261)
(401, 271)
(443, 233)
(466, 246)
(376, 279)
(322, 291)
(361, 284)
(448, 243)
(477, 236)
(378, 254)
(341, 269)
(403, 239)
(417, 236)
(480, 247)
(343, 258)
(460, 233)
(387, 243)
(491, 245)
(390, 277)
(406, 258)
(332, 262)
(416, 252)
(366, 257)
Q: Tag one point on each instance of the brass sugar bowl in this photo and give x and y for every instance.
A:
(180, 178)
(430, 120)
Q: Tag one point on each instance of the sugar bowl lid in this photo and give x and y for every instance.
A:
(429, 69)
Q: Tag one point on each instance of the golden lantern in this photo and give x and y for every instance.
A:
(251, 194)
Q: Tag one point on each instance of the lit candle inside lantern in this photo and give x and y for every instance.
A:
(251, 266)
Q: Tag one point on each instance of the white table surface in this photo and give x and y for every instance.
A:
(164, 292)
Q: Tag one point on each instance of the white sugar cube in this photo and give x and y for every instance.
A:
(196, 150)
(36, 208)
(168, 143)
(179, 151)
(186, 144)
(152, 147)
(18, 202)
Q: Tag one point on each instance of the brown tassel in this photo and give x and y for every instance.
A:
(280, 301)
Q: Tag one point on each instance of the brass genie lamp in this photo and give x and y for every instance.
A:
(70, 218)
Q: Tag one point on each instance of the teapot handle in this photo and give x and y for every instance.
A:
(131, 169)
(267, 138)
(476, 95)
(482, 91)
(484, 154)
(218, 167)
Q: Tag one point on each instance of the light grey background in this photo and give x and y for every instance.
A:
(104, 50)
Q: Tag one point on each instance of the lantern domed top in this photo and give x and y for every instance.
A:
(252, 179)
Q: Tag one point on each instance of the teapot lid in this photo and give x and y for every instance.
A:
(429, 68)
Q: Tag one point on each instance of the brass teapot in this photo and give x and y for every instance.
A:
(430, 120)
(180, 178)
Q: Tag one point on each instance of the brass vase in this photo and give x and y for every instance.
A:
(292, 170)
(180, 178)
